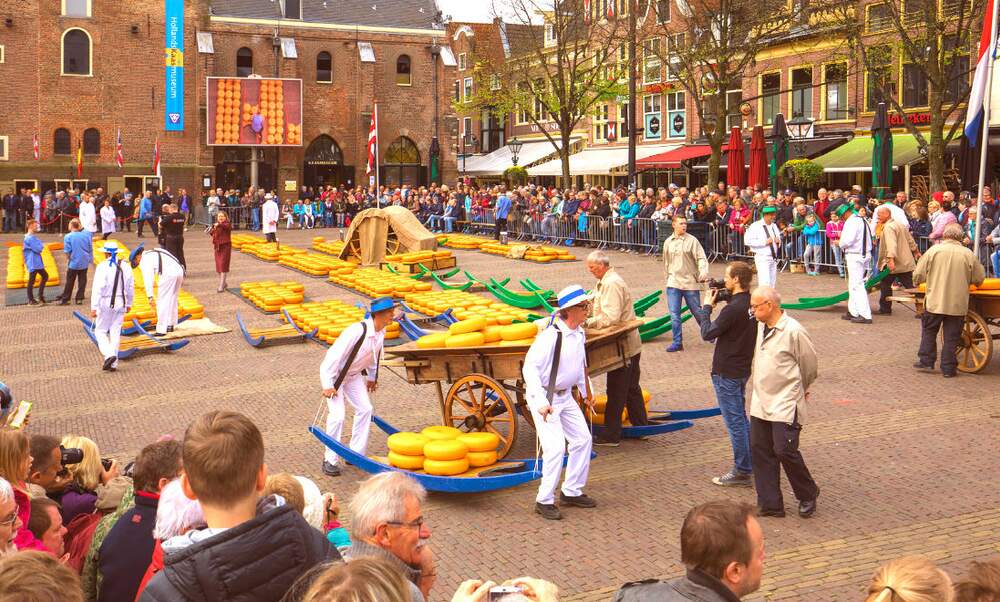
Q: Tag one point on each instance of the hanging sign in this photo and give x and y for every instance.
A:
(174, 55)
(653, 125)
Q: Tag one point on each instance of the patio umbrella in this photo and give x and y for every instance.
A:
(758, 159)
(736, 174)
(779, 150)
(881, 152)
(968, 166)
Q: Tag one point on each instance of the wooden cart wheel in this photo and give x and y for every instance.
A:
(354, 244)
(479, 403)
(522, 404)
(391, 243)
(975, 346)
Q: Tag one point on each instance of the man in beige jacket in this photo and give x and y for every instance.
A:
(686, 267)
(611, 304)
(948, 269)
(784, 367)
(898, 251)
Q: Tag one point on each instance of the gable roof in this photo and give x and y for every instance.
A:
(406, 14)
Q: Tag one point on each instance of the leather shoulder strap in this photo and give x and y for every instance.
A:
(350, 357)
(550, 390)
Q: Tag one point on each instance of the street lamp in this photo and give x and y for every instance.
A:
(798, 129)
(515, 148)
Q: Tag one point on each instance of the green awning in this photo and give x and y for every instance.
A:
(856, 154)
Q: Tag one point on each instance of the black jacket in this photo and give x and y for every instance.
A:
(127, 550)
(735, 336)
(258, 560)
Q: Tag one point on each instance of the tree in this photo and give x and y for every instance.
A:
(711, 47)
(932, 40)
(557, 72)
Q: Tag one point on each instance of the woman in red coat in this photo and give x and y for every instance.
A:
(222, 243)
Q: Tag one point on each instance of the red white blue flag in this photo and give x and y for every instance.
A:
(119, 154)
(977, 95)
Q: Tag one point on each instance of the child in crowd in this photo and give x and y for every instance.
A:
(833, 228)
(814, 245)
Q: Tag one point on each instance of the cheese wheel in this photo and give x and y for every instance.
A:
(406, 462)
(600, 402)
(514, 332)
(407, 444)
(469, 339)
(491, 334)
(446, 468)
(517, 343)
(445, 449)
(431, 341)
(480, 442)
(438, 432)
(646, 396)
(484, 458)
(471, 325)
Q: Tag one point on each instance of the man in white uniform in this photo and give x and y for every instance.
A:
(269, 217)
(350, 369)
(856, 243)
(557, 362)
(159, 266)
(110, 299)
(764, 239)
(88, 213)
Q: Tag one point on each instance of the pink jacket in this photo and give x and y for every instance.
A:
(25, 539)
(939, 221)
(737, 219)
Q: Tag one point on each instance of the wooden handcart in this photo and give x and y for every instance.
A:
(980, 328)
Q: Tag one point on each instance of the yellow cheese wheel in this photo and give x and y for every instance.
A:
(469, 339)
(407, 444)
(438, 432)
(600, 402)
(431, 341)
(646, 396)
(446, 467)
(514, 332)
(406, 462)
(491, 334)
(990, 284)
(480, 442)
(471, 325)
(445, 449)
(517, 343)
(484, 458)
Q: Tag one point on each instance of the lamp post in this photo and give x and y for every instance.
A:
(515, 148)
(798, 129)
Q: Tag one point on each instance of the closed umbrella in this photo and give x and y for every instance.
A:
(881, 152)
(758, 159)
(736, 174)
(968, 166)
(779, 149)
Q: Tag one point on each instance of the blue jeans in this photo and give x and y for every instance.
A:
(838, 257)
(674, 296)
(10, 221)
(730, 392)
(449, 223)
(995, 258)
(255, 218)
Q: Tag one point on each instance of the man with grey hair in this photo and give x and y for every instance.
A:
(897, 251)
(386, 523)
(948, 269)
(611, 305)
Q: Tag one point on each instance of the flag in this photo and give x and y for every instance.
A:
(156, 158)
(586, 11)
(119, 155)
(977, 94)
(35, 152)
(611, 9)
(79, 159)
(373, 142)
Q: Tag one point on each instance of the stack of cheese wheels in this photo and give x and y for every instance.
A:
(271, 296)
(270, 251)
(331, 248)
(444, 454)
(478, 332)
(601, 403)
(316, 264)
(515, 335)
(238, 240)
(378, 283)
(442, 450)
(415, 257)
(330, 318)
(17, 273)
(406, 450)
(482, 448)
(461, 241)
(464, 305)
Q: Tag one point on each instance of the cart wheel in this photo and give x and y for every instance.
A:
(975, 347)
(479, 403)
(355, 246)
(522, 404)
(391, 243)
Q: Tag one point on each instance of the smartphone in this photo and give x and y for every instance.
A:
(504, 592)
(18, 417)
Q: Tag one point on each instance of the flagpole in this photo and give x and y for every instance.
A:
(984, 151)
(377, 182)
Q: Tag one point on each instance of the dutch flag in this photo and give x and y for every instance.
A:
(977, 95)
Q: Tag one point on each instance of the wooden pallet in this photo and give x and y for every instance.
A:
(276, 335)
(142, 343)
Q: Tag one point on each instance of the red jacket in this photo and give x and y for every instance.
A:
(155, 566)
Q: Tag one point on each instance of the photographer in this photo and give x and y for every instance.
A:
(47, 470)
(87, 475)
(734, 333)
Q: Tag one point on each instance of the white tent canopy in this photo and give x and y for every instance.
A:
(499, 160)
(599, 160)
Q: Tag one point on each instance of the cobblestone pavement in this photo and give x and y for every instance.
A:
(906, 461)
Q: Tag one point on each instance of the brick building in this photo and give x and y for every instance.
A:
(78, 70)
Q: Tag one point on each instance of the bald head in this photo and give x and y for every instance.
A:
(765, 303)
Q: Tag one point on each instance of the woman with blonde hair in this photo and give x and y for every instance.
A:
(363, 580)
(910, 579)
(80, 496)
(15, 462)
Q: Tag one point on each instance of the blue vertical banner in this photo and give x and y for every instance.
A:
(174, 54)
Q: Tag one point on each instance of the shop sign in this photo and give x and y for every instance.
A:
(897, 121)
(290, 186)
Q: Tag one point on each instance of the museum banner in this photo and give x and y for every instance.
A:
(174, 54)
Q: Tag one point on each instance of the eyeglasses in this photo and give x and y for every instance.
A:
(414, 524)
(761, 304)
(10, 520)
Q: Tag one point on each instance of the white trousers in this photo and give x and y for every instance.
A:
(108, 330)
(857, 300)
(167, 290)
(564, 430)
(355, 390)
(767, 269)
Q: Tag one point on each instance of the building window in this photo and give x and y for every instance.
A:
(1, 54)
(879, 18)
(366, 52)
(676, 115)
(912, 12)
(663, 11)
(770, 97)
(76, 52)
(402, 163)
(652, 108)
(802, 87)
(733, 116)
(491, 136)
(524, 107)
(76, 8)
(835, 89)
(60, 142)
(651, 61)
(3, 148)
(292, 9)
(550, 34)
(458, 90)
(494, 82)
(880, 78)
(957, 71)
(466, 126)
(601, 123)
(915, 89)
(324, 68)
(541, 111)
(91, 141)
(403, 76)
(467, 89)
(462, 62)
(244, 62)
(675, 43)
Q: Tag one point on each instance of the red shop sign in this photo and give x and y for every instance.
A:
(896, 120)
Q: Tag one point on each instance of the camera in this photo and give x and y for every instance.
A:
(721, 292)
(70, 455)
(106, 463)
(505, 592)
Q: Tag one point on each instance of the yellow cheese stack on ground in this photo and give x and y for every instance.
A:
(415, 257)
(378, 283)
(601, 403)
(271, 296)
(17, 274)
(270, 251)
(482, 448)
(406, 450)
(238, 240)
(330, 248)
(330, 318)
(316, 264)
(541, 254)
(461, 241)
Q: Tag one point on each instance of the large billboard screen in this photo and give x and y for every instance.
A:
(254, 111)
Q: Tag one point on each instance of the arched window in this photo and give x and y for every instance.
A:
(402, 164)
(324, 68)
(403, 77)
(244, 62)
(91, 141)
(60, 142)
(76, 52)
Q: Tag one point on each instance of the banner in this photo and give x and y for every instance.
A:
(676, 124)
(653, 129)
(254, 111)
(174, 54)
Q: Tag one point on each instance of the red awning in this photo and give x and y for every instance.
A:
(672, 158)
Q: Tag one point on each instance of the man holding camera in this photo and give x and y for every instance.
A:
(734, 334)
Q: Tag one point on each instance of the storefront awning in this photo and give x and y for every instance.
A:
(494, 164)
(856, 155)
(672, 158)
(599, 160)
(810, 148)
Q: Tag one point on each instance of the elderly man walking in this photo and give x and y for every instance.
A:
(686, 267)
(897, 251)
(784, 367)
(948, 269)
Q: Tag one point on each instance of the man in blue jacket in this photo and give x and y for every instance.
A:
(500, 212)
(147, 214)
(79, 248)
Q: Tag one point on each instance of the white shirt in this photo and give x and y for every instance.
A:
(852, 237)
(107, 219)
(150, 266)
(269, 213)
(104, 284)
(88, 217)
(538, 364)
(757, 235)
(366, 359)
